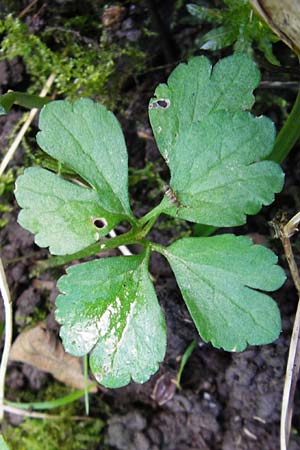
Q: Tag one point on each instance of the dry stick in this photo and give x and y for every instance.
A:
(28, 7)
(11, 151)
(8, 333)
(279, 85)
(37, 415)
(293, 363)
(5, 356)
(123, 248)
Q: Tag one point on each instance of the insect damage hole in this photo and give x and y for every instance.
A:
(99, 223)
(162, 103)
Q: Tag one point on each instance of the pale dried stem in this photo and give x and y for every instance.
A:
(11, 151)
(290, 382)
(8, 333)
(123, 249)
(293, 363)
(38, 415)
(28, 7)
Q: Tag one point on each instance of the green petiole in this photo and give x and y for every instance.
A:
(288, 135)
(51, 404)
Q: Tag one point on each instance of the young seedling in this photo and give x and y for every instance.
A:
(216, 152)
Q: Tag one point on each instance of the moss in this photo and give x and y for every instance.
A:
(83, 66)
(85, 62)
(37, 434)
(67, 433)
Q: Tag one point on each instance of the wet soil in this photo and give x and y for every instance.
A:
(226, 401)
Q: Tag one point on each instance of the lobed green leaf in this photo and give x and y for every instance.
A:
(215, 150)
(218, 175)
(61, 214)
(109, 307)
(220, 279)
(195, 90)
(88, 138)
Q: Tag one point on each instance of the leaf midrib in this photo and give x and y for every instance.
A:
(86, 154)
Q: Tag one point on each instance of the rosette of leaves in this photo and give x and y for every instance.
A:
(216, 151)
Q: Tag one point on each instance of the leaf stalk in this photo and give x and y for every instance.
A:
(134, 236)
(155, 212)
(51, 404)
(97, 247)
(288, 135)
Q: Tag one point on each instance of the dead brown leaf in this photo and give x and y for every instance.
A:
(41, 348)
(283, 17)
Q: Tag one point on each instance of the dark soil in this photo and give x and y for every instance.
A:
(227, 401)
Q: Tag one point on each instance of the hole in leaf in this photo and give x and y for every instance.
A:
(162, 103)
(100, 223)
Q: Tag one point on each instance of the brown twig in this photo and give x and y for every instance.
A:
(28, 7)
(11, 151)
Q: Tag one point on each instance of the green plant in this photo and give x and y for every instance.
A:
(3, 445)
(22, 99)
(82, 67)
(236, 25)
(216, 152)
(61, 432)
(6, 186)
